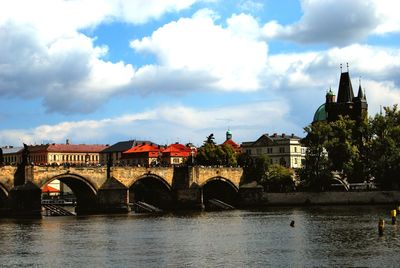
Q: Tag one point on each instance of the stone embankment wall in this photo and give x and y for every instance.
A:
(331, 198)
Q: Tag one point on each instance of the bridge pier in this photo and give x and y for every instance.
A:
(113, 197)
(25, 201)
(191, 198)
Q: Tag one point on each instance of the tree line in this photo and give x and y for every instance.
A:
(354, 151)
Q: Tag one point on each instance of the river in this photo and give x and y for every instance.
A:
(322, 236)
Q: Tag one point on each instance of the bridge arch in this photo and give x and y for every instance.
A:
(220, 188)
(152, 189)
(84, 191)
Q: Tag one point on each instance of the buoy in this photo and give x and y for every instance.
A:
(393, 215)
(292, 224)
(381, 226)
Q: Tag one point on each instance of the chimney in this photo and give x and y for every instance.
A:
(292, 135)
(67, 141)
(275, 135)
(283, 135)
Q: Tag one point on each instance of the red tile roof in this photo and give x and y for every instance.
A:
(235, 146)
(68, 148)
(76, 148)
(144, 148)
(177, 149)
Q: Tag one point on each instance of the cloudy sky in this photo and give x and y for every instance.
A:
(102, 71)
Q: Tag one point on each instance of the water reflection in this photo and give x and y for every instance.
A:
(322, 236)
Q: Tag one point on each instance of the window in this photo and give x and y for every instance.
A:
(258, 151)
(248, 151)
(295, 149)
(269, 150)
(281, 150)
(295, 160)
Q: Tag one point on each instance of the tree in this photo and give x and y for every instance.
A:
(345, 148)
(254, 169)
(385, 147)
(210, 154)
(315, 174)
(278, 179)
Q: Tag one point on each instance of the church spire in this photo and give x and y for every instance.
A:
(361, 93)
(345, 92)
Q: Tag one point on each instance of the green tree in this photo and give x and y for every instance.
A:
(345, 148)
(315, 174)
(278, 179)
(210, 154)
(385, 147)
(254, 168)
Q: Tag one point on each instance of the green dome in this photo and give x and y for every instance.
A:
(330, 93)
(229, 132)
(320, 114)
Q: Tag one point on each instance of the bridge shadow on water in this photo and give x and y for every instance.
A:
(153, 191)
(220, 190)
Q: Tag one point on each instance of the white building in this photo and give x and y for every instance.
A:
(283, 149)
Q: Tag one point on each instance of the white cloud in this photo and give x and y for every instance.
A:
(387, 10)
(250, 6)
(43, 55)
(67, 73)
(232, 57)
(338, 22)
(303, 78)
(162, 123)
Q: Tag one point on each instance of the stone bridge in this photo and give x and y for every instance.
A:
(114, 189)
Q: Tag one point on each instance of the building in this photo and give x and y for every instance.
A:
(143, 155)
(12, 155)
(177, 154)
(283, 149)
(115, 151)
(345, 105)
(74, 154)
(230, 142)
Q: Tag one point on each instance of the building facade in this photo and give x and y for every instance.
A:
(12, 155)
(116, 150)
(59, 154)
(285, 150)
(177, 154)
(142, 155)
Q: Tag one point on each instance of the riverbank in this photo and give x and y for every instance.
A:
(329, 198)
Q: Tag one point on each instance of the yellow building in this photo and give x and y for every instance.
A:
(75, 154)
(283, 149)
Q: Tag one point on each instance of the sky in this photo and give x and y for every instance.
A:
(103, 71)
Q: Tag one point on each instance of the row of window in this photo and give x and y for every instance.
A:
(74, 157)
(11, 159)
(259, 151)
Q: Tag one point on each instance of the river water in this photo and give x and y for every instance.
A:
(322, 237)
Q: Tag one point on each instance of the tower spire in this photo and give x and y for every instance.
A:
(345, 92)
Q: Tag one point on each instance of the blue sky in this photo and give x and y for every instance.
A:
(102, 71)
